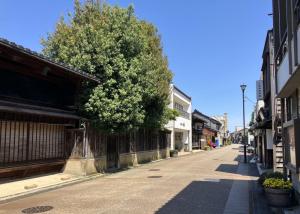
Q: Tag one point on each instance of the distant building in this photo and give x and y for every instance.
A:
(238, 136)
(223, 133)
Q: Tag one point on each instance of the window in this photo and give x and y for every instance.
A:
(292, 107)
(280, 28)
(178, 106)
(181, 110)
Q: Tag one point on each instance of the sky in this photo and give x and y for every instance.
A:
(212, 45)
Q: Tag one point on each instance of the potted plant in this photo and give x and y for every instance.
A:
(174, 153)
(266, 175)
(278, 192)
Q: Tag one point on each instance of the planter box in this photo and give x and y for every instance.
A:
(278, 197)
(174, 153)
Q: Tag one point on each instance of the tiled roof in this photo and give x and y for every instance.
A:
(180, 91)
(42, 57)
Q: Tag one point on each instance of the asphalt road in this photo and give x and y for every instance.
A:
(198, 183)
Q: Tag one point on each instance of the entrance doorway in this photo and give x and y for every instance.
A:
(179, 141)
(112, 152)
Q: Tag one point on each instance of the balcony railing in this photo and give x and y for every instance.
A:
(197, 130)
(184, 114)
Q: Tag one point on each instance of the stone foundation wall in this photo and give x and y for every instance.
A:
(127, 160)
(90, 166)
(85, 166)
(133, 159)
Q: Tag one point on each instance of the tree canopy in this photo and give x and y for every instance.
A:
(126, 54)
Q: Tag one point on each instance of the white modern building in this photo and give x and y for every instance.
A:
(181, 128)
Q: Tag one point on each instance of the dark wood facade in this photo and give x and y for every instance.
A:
(37, 107)
(198, 123)
(95, 145)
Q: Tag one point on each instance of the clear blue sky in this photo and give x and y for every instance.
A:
(212, 45)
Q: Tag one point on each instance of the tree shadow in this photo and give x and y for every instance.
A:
(239, 158)
(232, 168)
(228, 168)
(199, 197)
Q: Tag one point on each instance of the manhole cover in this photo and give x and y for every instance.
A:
(37, 209)
(154, 169)
(155, 176)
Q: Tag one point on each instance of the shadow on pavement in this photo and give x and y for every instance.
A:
(199, 197)
(239, 158)
(232, 168)
(204, 197)
(229, 168)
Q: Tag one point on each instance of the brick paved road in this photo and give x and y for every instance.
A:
(198, 183)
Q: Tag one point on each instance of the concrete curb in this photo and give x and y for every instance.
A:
(32, 192)
(17, 196)
(258, 168)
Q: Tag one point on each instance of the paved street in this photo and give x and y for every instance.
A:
(198, 183)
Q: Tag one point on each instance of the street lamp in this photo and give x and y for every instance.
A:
(243, 87)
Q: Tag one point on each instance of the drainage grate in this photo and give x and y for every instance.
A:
(154, 169)
(155, 176)
(37, 209)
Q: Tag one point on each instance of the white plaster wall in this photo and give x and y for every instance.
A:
(283, 73)
(181, 123)
(259, 104)
(269, 138)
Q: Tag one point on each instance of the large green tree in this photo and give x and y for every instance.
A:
(125, 53)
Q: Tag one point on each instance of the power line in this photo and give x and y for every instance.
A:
(250, 100)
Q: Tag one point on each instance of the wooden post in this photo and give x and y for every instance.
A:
(27, 141)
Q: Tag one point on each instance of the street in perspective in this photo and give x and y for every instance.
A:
(190, 184)
(142, 107)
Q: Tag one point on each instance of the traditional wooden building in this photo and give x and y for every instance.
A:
(205, 129)
(41, 130)
(198, 122)
(265, 112)
(37, 107)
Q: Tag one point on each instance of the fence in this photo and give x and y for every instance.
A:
(32, 138)
(25, 138)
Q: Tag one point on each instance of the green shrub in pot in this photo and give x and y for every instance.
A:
(277, 183)
(267, 175)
